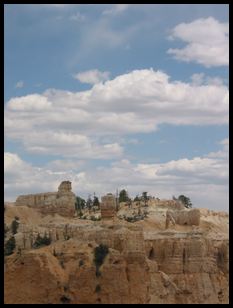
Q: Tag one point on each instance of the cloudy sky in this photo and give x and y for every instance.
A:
(117, 96)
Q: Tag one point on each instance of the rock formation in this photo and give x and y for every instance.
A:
(145, 263)
(183, 217)
(61, 202)
(108, 206)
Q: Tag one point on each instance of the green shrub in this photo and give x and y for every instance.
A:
(65, 299)
(100, 253)
(81, 263)
(54, 252)
(80, 203)
(185, 200)
(80, 214)
(41, 241)
(95, 218)
(9, 246)
(130, 219)
(98, 288)
(136, 217)
(62, 263)
(96, 202)
(14, 226)
(97, 272)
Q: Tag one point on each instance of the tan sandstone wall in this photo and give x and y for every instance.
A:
(183, 217)
(61, 202)
(163, 268)
(190, 270)
(108, 206)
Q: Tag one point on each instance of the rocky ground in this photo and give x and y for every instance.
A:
(145, 263)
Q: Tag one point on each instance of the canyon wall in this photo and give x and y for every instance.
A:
(61, 202)
(162, 267)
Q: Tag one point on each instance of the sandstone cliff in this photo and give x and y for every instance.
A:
(146, 263)
(61, 202)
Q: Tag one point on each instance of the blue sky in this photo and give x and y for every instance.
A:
(113, 96)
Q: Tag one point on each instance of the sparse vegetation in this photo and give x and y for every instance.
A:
(97, 273)
(41, 241)
(145, 198)
(100, 253)
(81, 263)
(65, 299)
(96, 202)
(136, 199)
(80, 214)
(123, 196)
(66, 288)
(135, 217)
(89, 203)
(15, 225)
(98, 288)
(185, 200)
(79, 205)
(62, 263)
(95, 218)
(130, 219)
(9, 246)
(54, 252)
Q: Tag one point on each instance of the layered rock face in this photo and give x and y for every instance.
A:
(183, 217)
(61, 202)
(66, 269)
(146, 263)
(190, 269)
(108, 206)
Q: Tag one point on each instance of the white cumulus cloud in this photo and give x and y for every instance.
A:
(204, 179)
(207, 42)
(77, 123)
(92, 76)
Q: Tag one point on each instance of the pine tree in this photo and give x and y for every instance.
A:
(79, 204)
(123, 196)
(89, 203)
(96, 202)
(145, 197)
(185, 200)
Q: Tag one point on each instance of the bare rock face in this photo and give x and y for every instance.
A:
(65, 187)
(66, 271)
(183, 217)
(61, 202)
(145, 264)
(190, 269)
(108, 206)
